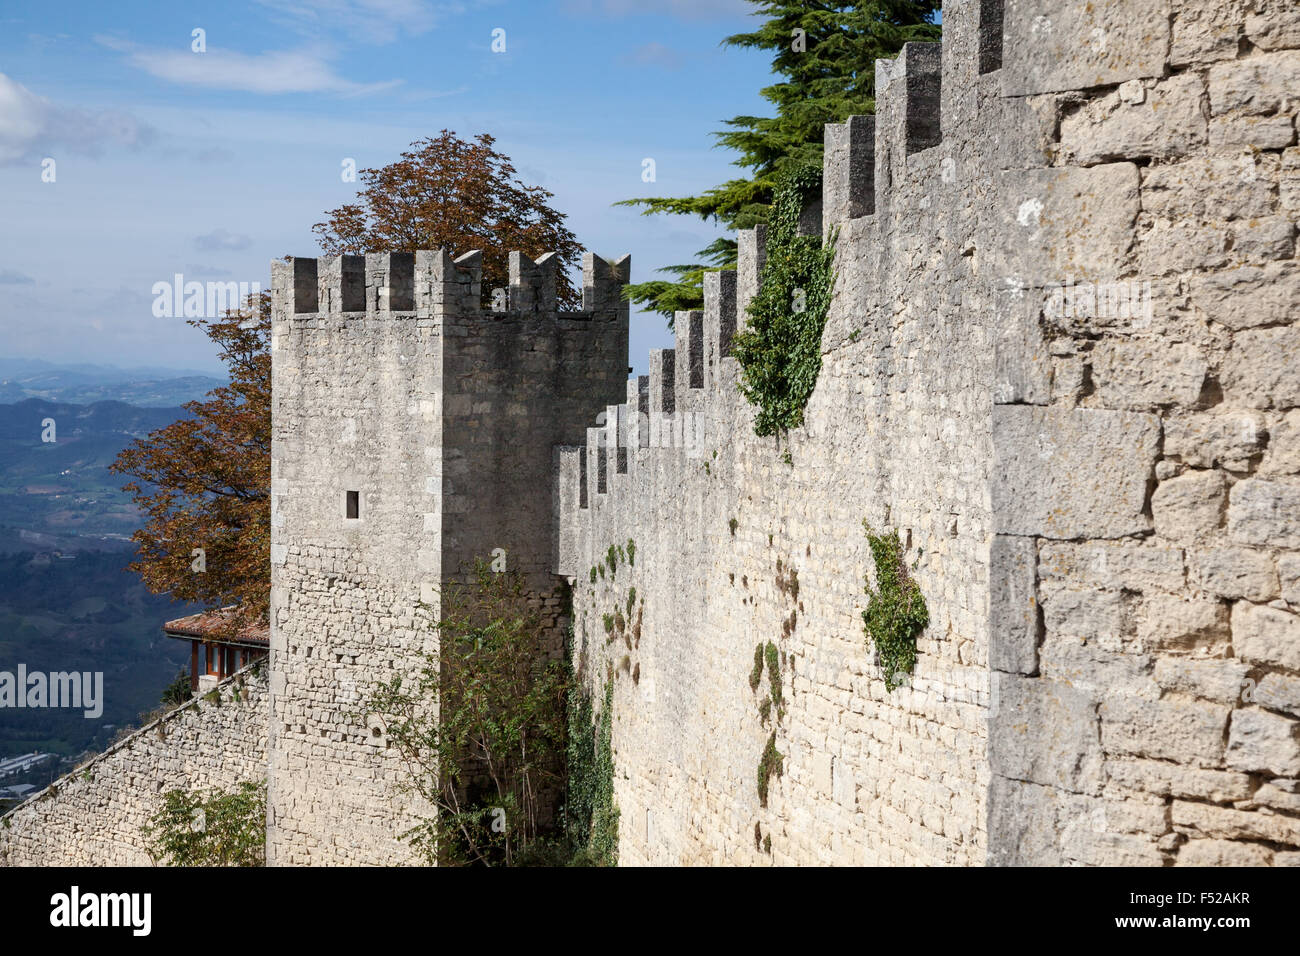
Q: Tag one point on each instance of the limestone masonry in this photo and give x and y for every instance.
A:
(1063, 360)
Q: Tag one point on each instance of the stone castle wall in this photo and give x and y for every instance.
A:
(1100, 499)
(1063, 360)
(95, 815)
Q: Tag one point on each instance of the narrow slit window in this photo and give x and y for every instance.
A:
(354, 505)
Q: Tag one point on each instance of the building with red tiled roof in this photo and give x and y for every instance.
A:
(216, 651)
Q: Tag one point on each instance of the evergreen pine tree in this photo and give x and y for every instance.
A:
(825, 53)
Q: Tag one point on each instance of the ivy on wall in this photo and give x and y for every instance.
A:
(780, 350)
(896, 612)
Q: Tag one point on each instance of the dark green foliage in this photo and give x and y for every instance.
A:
(210, 828)
(590, 814)
(178, 691)
(482, 728)
(609, 622)
(593, 574)
(756, 675)
(631, 601)
(771, 765)
(896, 612)
(611, 559)
(774, 673)
(631, 551)
(780, 350)
(733, 524)
(832, 78)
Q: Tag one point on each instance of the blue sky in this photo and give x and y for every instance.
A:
(211, 164)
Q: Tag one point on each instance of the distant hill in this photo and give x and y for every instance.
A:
(62, 492)
(85, 384)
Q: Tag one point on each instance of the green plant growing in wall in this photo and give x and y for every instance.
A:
(733, 524)
(780, 349)
(774, 675)
(210, 827)
(631, 601)
(590, 813)
(756, 675)
(611, 559)
(896, 611)
(593, 574)
(771, 765)
(481, 728)
(631, 551)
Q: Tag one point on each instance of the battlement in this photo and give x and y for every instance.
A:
(429, 283)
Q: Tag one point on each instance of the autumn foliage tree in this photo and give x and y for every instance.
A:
(447, 193)
(204, 482)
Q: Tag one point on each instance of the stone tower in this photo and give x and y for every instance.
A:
(412, 433)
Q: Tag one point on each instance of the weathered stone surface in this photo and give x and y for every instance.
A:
(1283, 455)
(1042, 485)
(1255, 84)
(1114, 565)
(1227, 437)
(1265, 512)
(1189, 506)
(1168, 779)
(1288, 570)
(1251, 131)
(1220, 681)
(1165, 123)
(1143, 372)
(1040, 241)
(1087, 614)
(1013, 605)
(1279, 692)
(1266, 635)
(1187, 732)
(1248, 296)
(1050, 46)
(1205, 32)
(96, 815)
(1261, 368)
(1260, 740)
(1223, 853)
(1171, 623)
(1067, 756)
(1233, 572)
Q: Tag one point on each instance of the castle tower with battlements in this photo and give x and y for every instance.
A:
(413, 434)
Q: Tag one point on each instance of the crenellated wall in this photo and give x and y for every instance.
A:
(1101, 500)
(1062, 359)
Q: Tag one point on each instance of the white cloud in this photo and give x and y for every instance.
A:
(32, 126)
(222, 240)
(274, 71)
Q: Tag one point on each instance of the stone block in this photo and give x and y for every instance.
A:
(1189, 506)
(1232, 572)
(1263, 634)
(1013, 605)
(1052, 46)
(1140, 373)
(1265, 512)
(1069, 473)
(1040, 241)
(1183, 731)
(1068, 757)
(1165, 123)
(1261, 370)
(1226, 437)
(1260, 740)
